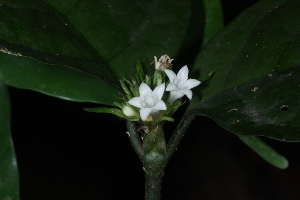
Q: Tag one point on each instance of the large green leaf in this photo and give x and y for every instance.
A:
(58, 42)
(265, 106)
(55, 80)
(9, 180)
(213, 19)
(255, 88)
(123, 32)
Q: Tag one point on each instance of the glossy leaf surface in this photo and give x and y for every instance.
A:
(97, 42)
(55, 80)
(9, 180)
(255, 88)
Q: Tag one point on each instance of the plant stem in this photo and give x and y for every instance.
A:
(153, 152)
(153, 186)
(135, 139)
(179, 132)
(155, 149)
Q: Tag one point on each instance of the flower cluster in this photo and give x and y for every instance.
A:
(146, 105)
(151, 103)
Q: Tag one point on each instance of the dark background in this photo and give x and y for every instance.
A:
(66, 153)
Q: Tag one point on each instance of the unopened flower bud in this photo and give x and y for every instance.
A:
(129, 111)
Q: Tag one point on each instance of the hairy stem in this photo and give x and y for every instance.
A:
(153, 186)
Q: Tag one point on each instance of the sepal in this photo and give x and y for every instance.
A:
(154, 141)
(140, 75)
(174, 107)
(126, 90)
(148, 80)
(170, 119)
(114, 111)
(158, 78)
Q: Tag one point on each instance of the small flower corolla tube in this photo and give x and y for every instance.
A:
(149, 101)
(179, 84)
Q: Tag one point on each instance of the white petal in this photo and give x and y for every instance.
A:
(159, 90)
(177, 94)
(160, 106)
(191, 83)
(144, 112)
(135, 101)
(174, 95)
(183, 73)
(144, 89)
(171, 87)
(170, 74)
(188, 93)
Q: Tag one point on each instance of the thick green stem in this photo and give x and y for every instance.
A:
(178, 134)
(153, 186)
(155, 150)
(154, 170)
(154, 154)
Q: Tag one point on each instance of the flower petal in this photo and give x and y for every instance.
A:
(160, 106)
(144, 112)
(135, 101)
(144, 89)
(191, 83)
(170, 74)
(183, 73)
(188, 93)
(174, 95)
(171, 87)
(159, 90)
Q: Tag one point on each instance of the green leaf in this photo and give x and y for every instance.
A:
(206, 21)
(123, 32)
(267, 106)
(265, 151)
(100, 40)
(55, 80)
(9, 180)
(96, 42)
(44, 52)
(255, 87)
(213, 19)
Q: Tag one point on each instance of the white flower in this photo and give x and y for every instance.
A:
(180, 85)
(129, 111)
(149, 101)
(163, 63)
